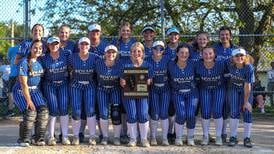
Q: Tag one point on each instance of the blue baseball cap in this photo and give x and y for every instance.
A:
(53, 39)
(172, 30)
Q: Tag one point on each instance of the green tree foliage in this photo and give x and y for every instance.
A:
(244, 16)
(5, 34)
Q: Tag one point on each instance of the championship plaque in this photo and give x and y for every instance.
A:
(136, 82)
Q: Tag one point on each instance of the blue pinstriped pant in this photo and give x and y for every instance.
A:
(136, 109)
(185, 105)
(20, 101)
(57, 98)
(212, 101)
(159, 103)
(106, 97)
(82, 95)
(236, 99)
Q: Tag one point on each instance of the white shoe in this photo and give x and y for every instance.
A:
(75, 140)
(165, 142)
(65, 141)
(179, 142)
(51, 141)
(218, 141)
(92, 141)
(132, 143)
(145, 143)
(205, 141)
(153, 142)
(116, 141)
(190, 141)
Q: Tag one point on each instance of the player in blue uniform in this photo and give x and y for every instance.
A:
(55, 85)
(97, 46)
(149, 34)
(37, 33)
(160, 93)
(83, 89)
(28, 98)
(125, 41)
(173, 42)
(240, 95)
(211, 89)
(201, 41)
(184, 94)
(109, 93)
(137, 109)
(123, 44)
(223, 50)
(66, 45)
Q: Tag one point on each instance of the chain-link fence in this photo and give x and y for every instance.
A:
(250, 21)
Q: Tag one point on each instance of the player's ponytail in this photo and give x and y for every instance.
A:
(30, 69)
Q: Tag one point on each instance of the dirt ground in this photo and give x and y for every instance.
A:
(262, 136)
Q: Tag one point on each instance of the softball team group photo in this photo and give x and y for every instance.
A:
(56, 78)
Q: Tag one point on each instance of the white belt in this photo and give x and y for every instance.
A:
(83, 82)
(159, 84)
(107, 87)
(184, 90)
(57, 82)
(33, 87)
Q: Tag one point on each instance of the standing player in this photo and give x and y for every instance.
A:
(125, 41)
(28, 98)
(223, 50)
(211, 88)
(37, 33)
(83, 89)
(123, 44)
(160, 92)
(173, 42)
(66, 45)
(55, 87)
(109, 93)
(137, 109)
(201, 41)
(240, 95)
(148, 33)
(184, 93)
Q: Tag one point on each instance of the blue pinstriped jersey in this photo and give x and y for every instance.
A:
(237, 77)
(55, 69)
(182, 79)
(99, 49)
(34, 76)
(69, 47)
(171, 53)
(159, 68)
(212, 77)
(195, 55)
(82, 70)
(107, 76)
(124, 48)
(148, 52)
(223, 53)
(24, 48)
(127, 63)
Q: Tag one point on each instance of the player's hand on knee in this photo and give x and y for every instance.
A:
(31, 106)
(122, 82)
(149, 81)
(247, 106)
